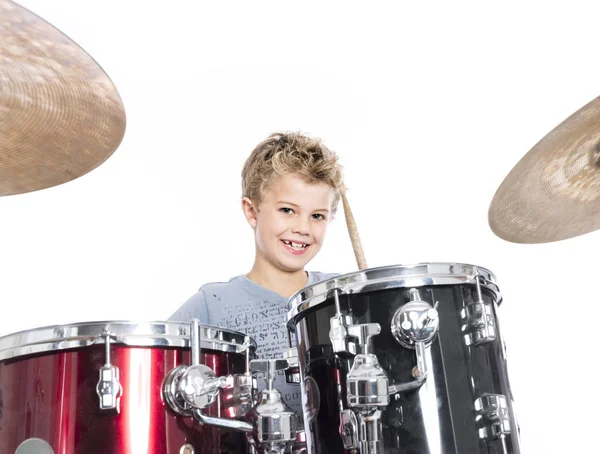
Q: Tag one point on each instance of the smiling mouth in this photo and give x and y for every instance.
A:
(296, 246)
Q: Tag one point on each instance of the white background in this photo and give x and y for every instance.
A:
(429, 105)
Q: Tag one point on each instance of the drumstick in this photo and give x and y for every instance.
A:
(353, 232)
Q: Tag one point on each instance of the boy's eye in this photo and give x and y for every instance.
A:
(318, 216)
(286, 210)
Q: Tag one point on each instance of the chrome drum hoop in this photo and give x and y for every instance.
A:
(390, 277)
(135, 334)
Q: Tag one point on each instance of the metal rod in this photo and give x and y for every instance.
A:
(247, 343)
(195, 341)
(478, 286)
(106, 336)
(504, 447)
(414, 294)
(420, 350)
(222, 422)
(336, 299)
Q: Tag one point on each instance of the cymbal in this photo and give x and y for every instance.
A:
(60, 114)
(553, 193)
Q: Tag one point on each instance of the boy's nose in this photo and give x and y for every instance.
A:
(301, 227)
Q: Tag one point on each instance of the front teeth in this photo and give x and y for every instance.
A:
(295, 245)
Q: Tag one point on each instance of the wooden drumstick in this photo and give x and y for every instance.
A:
(353, 232)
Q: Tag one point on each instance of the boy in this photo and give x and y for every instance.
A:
(290, 190)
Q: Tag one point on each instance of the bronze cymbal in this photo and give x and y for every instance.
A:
(553, 193)
(60, 114)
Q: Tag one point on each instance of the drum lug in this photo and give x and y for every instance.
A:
(362, 431)
(275, 424)
(349, 429)
(338, 329)
(243, 393)
(292, 373)
(493, 416)
(109, 387)
(479, 324)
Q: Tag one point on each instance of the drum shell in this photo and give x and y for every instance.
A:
(52, 396)
(438, 418)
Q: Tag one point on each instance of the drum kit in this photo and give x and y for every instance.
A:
(396, 359)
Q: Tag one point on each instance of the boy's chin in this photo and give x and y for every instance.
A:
(293, 267)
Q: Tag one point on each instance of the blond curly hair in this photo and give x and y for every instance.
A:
(290, 153)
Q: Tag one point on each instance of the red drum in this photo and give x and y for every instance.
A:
(54, 381)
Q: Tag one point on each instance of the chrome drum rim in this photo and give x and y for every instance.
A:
(390, 277)
(130, 333)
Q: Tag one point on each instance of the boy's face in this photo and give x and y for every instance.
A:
(291, 221)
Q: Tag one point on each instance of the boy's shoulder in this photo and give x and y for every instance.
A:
(216, 289)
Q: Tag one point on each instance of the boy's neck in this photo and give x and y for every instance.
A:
(279, 281)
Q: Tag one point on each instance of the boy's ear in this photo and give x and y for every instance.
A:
(249, 211)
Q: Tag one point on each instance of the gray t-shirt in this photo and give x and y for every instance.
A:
(244, 306)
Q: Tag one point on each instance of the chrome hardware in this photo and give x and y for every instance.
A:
(269, 367)
(368, 391)
(415, 325)
(109, 388)
(241, 387)
(362, 431)
(238, 389)
(338, 334)
(386, 278)
(195, 342)
(170, 394)
(199, 386)
(275, 424)
(242, 395)
(187, 449)
(363, 333)
(133, 334)
(292, 373)
(349, 429)
(221, 422)
(415, 322)
(367, 383)
(493, 416)
(479, 325)
(370, 433)
(187, 390)
(338, 331)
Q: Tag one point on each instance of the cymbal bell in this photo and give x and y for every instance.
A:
(60, 114)
(553, 193)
